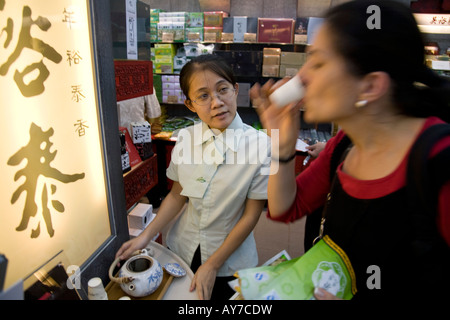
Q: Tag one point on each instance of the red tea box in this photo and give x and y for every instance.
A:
(276, 30)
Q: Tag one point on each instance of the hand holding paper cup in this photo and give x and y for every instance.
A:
(291, 91)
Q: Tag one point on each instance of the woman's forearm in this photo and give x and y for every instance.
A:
(282, 188)
(169, 209)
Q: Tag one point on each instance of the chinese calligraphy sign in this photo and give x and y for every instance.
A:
(80, 127)
(73, 57)
(54, 195)
(39, 158)
(36, 86)
(442, 20)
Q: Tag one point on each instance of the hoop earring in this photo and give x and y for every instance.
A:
(361, 103)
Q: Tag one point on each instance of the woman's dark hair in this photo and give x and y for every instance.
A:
(204, 62)
(394, 46)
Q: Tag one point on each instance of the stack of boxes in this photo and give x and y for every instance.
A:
(290, 63)
(271, 62)
(186, 26)
(142, 139)
(137, 147)
(213, 25)
(154, 20)
(171, 26)
(239, 29)
(217, 26)
(194, 27)
(164, 54)
(139, 218)
(129, 154)
(171, 91)
(277, 63)
(166, 62)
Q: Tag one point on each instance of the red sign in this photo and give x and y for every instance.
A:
(133, 78)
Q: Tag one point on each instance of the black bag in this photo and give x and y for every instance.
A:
(425, 177)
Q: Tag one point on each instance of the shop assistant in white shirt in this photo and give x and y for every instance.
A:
(218, 171)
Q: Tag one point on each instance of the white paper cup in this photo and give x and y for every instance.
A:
(96, 291)
(291, 91)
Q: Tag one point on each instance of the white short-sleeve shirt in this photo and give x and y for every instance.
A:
(217, 172)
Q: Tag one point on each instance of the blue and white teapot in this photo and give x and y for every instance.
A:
(140, 276)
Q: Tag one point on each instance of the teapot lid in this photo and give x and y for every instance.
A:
(175, 269)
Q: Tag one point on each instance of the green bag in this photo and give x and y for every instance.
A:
(325, 265)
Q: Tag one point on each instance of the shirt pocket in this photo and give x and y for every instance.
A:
(195, 179)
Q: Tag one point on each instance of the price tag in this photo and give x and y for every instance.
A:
(194, 36)
(167, 37)
(210, 37)
(250, 37)
(227, 37)
(172, 99)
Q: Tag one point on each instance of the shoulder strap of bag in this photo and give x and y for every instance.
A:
(339, 154)
(425, 176)
(313, 221)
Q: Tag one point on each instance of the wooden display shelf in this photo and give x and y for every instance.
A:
(140, 180)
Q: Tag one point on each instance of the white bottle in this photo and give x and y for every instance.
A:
(291, 91)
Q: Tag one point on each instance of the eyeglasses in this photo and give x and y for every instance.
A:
(223, 94)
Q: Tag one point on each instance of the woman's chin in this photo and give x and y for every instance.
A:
(309, 117)
(222, 121)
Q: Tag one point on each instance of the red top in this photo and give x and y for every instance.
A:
(313, 184)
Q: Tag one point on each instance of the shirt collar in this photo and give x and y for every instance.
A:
(230, 137)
